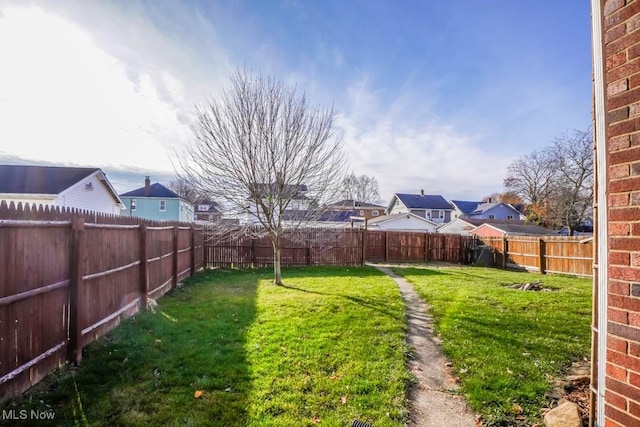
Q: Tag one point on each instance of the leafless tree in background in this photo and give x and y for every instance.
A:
(257, 145)
(184, 189)
(573, 189)
(361, 188)
(557, 181)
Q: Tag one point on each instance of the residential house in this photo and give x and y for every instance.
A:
(464, 226)
(485, 210)
(510, 229)
(405, 221)
(80, 188)
(326, 219)
(616, 328)
(432, 207)
(581, 230)
(360, 209)
(157, 202)
(207, 211)
(296, 194)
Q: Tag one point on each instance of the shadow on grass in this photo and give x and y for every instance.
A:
(148, 370)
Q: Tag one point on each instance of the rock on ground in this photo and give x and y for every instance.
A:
(564, 415)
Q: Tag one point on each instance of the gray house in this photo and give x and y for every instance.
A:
(431, 207)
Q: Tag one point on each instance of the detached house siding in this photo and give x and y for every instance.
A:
(621, 34)
(499, 211)
(92, 198)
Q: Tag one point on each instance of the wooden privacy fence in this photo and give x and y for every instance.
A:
(340, 247)
(64, 282)
(544, 254)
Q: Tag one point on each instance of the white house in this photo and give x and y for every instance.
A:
(402, 222)
(81, 188)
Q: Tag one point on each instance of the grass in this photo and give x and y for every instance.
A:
(328, 347)
(505, 344)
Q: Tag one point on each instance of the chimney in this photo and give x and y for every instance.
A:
(147, 185)
(421, 192)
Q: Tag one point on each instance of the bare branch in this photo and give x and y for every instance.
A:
(266, 155)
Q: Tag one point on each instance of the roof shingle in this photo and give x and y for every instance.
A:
(21, 179)
(418, 201)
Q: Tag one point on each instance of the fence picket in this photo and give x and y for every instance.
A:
(50, 309)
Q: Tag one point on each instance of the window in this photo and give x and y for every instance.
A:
(163, 205)
(492, 216)
(361, 213)
(437, 214)
(509, 216)
(203, 208)
(133, 205)
(375, 213)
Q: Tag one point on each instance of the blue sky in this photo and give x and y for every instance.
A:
(433, 95)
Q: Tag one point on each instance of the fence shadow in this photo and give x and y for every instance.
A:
(148, 370)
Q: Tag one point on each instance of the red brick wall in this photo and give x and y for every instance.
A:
(622, 77)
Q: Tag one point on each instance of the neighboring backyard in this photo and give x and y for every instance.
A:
(231, 349)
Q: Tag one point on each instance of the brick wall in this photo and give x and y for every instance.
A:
(622, 78)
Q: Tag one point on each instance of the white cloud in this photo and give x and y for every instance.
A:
(96, 84)
(65, 100)
(408, 148)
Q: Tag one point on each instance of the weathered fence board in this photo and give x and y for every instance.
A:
(349, 247)
(544, 254)
(67, 277)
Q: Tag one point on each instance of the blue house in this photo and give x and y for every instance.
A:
(485, 210)
(157, 202)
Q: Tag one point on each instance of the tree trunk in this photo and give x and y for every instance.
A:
(277, 274)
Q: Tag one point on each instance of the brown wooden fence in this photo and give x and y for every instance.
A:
(544, 254)
(347, 247)
(68, 277)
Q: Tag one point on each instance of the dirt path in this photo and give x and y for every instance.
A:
(433, 398)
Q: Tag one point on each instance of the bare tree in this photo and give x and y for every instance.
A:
(183, 188)
(532, 177)
(361, 188)
(573, 190)
(557, 181)
(261, 149)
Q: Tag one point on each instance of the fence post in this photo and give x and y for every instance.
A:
(541, 253)
(174, 280)
(193, 252)
(426, 245)
(364, 246)
(144, 266)
(505, 250)
(253, 251)
(74, 351)
(386, 246)
(205, 237)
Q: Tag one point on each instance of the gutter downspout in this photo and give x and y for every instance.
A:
(600, 268)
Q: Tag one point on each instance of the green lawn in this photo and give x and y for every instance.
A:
(328, 347)
(506, 344)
